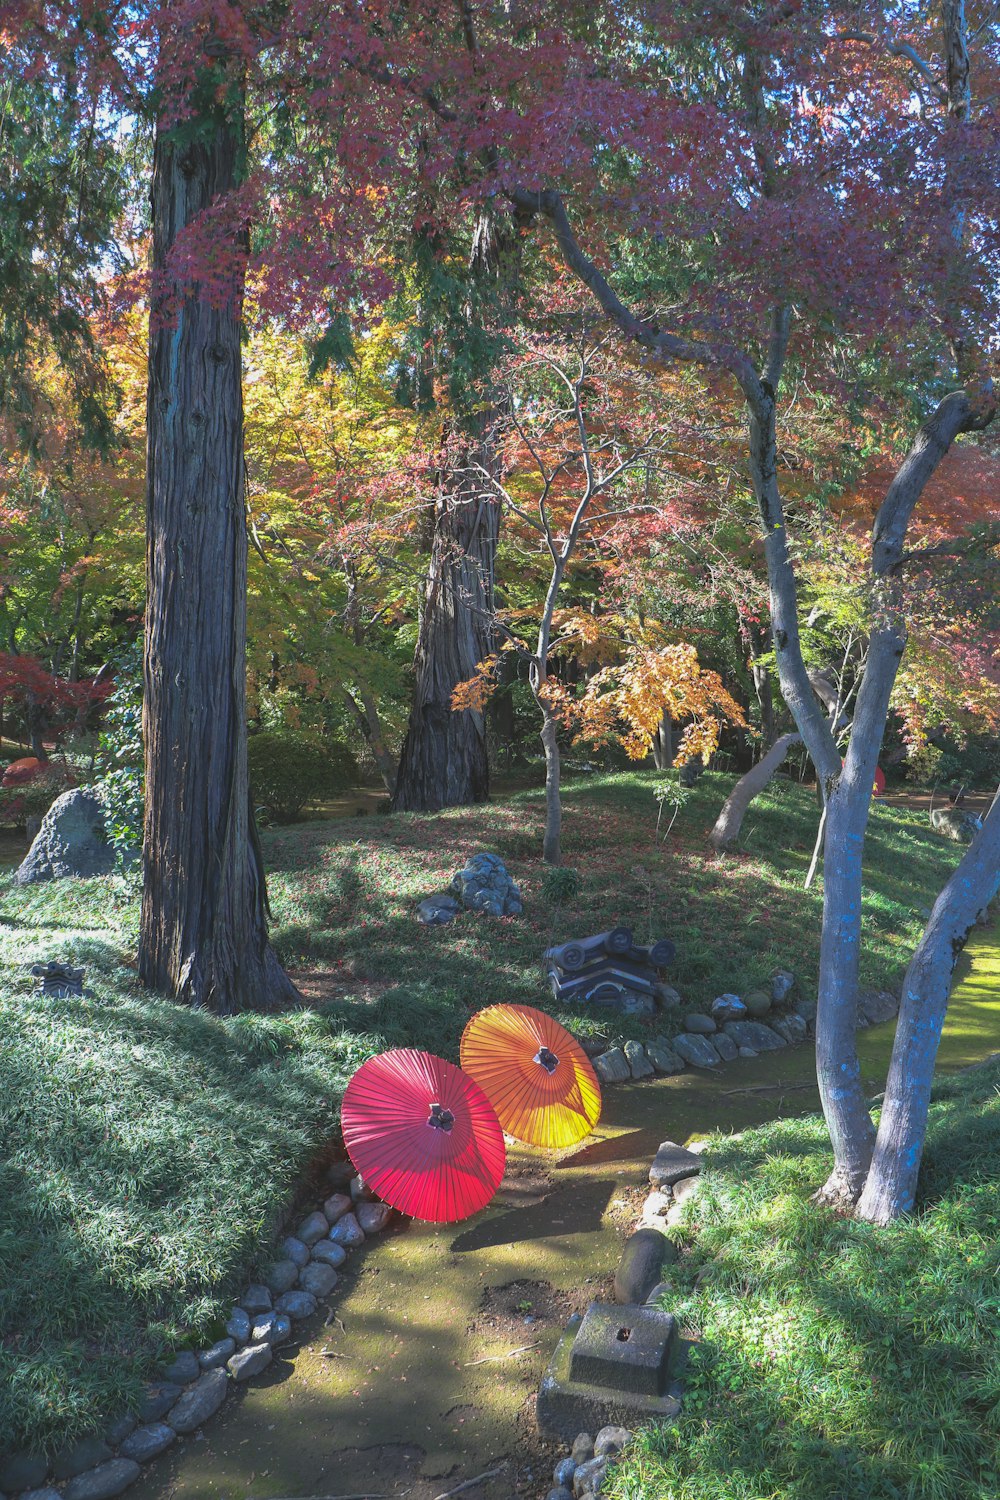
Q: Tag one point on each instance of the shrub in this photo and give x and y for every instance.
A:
(289, 769)
(32, 799)
(118, 773)
(560, 884)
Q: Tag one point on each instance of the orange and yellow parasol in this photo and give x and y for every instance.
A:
(535, 1074)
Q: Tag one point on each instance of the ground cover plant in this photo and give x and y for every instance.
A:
(834, 1361)
(142, 1175)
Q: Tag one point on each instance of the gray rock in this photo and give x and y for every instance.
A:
(685, 1187)
(877, 1006)
(758, 1003)
(582, 1450)
(612, 1066)
(672, 1163)
(641, 1265)
(120, 1430)
(746, 1052)
(199, 1402)
(806, 1009)
(296, 1304)
(72, 841)
(668, 997)
(281, 1276)
(664, 1058)
(293, 1248)
(435, 910)
(80, 1456)
(791, 1027)
(610, 1441)
(147, 1442)
(361, 1192)
(159, 1398)
(312, 1229)
(633, 1003)
(754, 1034)
(347, 1232)
(318, 1279)
(484, 885)
(639, 1064)
(23, 1471)
(373, 1217)
(336, 1206)
(183, 1370)
(657, 1203)
(952, 822)
(563, 1471)
(211, 1359)
(698, 1024)
(250, 1361)
(696, 1050)
(104, 1482)
(782, 984)
(727, 1007)
(589, 1477)
(725, 1047)
(271, 1328)
(238, 1325)
(48, 1493)
(327, 1253)
(560, 1492)
(256, 1299)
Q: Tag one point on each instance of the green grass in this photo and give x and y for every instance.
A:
(148, 1152)
(835, 1361)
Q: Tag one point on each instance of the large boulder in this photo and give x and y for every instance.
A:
(955, 824)
(484, 885)
(71, 841)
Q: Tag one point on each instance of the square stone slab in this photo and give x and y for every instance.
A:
(567, 1405)
(624, 1348)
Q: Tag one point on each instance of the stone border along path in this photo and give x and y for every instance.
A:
(194, 1386)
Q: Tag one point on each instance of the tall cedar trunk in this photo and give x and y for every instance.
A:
(203, 935)
(444, 761)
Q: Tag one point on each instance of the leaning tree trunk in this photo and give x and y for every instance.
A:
(444, 761)
(729, 823)
(203, 936)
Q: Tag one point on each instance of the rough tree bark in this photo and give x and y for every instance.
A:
(203, 936)
(730, 820)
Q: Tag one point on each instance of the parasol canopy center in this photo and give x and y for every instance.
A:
(546, 1058)
(440, 1118)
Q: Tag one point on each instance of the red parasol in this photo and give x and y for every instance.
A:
(424, 1136)
(535, 1074)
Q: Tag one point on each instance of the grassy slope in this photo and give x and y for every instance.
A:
(141, 1174)
(838, 1362)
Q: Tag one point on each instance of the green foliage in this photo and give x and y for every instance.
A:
(34, 798)
(289, 769)
(560, 884)
(834, 1359)
(118, 772)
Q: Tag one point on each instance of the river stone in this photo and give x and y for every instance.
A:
(199, 1402)
(610, 1441)
(373, 1217)
(672, 1163)
(319, 1279)
(327, 1253)
(361, 1192)
(697, 1050)
(347, 1232)
(746, 1052)
(256, 1298)
(71, 841)
(238, 1326)
(119, 1431)
(612, 1066)
(281, 1276)
(183, 1370)
(727, 1007)
(664, 1058)
(211, 1359)
(668, 997)
(563, 1471)
(297, 1304)
(807, 1010)
(782, 984)
(560, 1492)
(436, 910)
(146, 1442)
(877, 1006)
(952, 822)
(293, 1249)
(271, 1328)
(758, 1003)
(657, 1204)
(250, 1361)
(48, 1493)
(791, 1027)
(639, 1064)
(104, 1482)
(754, 1034)
(159, 1398)
(684, 1187)
(698, 1024)
(336, 1206)
(641, 1265)
(23, 1471)
(725, 1047)
(582, 1450)
(312, 1229)
(79, 1456)
(589, 1477)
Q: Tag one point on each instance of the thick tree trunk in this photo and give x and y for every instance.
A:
(663, 744)
(891, 1187)
(444, 761)
(730, 820)
(203, 935)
